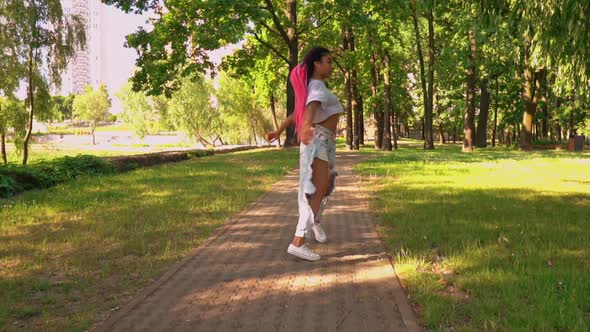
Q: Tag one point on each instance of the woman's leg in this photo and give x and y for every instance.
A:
(321, 180)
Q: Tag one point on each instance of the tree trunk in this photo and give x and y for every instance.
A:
(356, 106)
(571, 130)
(377, 114)
(253, 131)
(202, 140)
(441, 132)
(482, 123)
(469, 120)
(393, 128)
(3, 140)
(423, 137)
(356, 103)
(274, 115)
(361, 122)
(425, 91)
(3, 148)
(386, 141)
(31, 96)
(438, 109)
(428, 110)
(495, 115)
(293, 57)
(530, 102)
(348, 88)
(514, 137)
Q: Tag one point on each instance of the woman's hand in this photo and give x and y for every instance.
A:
(306, 134)
(273, 136)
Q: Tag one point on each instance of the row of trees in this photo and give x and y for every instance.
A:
(36, 41)
(233, 113)
(92, 107)
(506, 70)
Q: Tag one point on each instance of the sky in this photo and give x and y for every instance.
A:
(119, 60)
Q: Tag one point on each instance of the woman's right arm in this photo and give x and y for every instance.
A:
(275, 134)
(287, 123)
(307, 128)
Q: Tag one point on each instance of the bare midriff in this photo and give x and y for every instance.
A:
(331, 122)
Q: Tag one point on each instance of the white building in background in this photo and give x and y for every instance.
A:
(87, 67)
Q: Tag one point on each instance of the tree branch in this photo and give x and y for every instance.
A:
(277, 22)
(270, 47)
(302, 31)
(269, 28)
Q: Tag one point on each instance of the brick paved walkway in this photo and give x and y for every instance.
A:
(242, 279)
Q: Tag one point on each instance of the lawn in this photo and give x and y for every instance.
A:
(493, 240)
(39, 152)
(71, 253)
(78, 130)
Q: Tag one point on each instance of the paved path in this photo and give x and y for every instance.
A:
(242, 279)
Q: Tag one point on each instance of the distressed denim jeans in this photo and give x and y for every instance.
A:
(323, 146)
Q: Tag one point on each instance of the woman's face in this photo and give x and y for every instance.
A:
(324, 67)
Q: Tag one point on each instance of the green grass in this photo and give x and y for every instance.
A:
(71, 130)
(493, 240)
(38, 152)
(70, 253)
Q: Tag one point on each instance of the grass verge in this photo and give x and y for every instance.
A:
(493, 240)
(72, 252)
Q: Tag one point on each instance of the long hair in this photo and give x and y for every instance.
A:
(300, 77)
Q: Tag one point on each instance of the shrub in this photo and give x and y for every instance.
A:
(15, 179)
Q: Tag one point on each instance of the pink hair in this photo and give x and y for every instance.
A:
(298, 79)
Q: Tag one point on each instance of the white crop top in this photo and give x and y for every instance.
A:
(330, 105)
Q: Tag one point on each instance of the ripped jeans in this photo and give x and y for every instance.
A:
(323, 146)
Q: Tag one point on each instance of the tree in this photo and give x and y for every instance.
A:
(241, 112)
(185, 30)
(11, 70)
(427, 83)
(142, 112)
(191, 110)
(43, 39)
(92, 107)
(62, 107)
(13, 116)
(261, 70)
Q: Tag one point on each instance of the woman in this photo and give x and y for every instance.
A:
(316, 115)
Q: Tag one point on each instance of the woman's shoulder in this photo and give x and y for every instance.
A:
(316, 84)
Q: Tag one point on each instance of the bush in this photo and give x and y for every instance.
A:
(15, 179)
(547, 142)
(8, 186)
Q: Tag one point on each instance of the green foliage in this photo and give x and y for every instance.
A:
(62, 107)
(144, 113)
(191, 110)
(44, 174)
(8, 186)
(37, 40)
(242, 114)
(92, 106)
(13, 118)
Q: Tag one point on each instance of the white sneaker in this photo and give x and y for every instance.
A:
(318, 231)
(303, 252)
